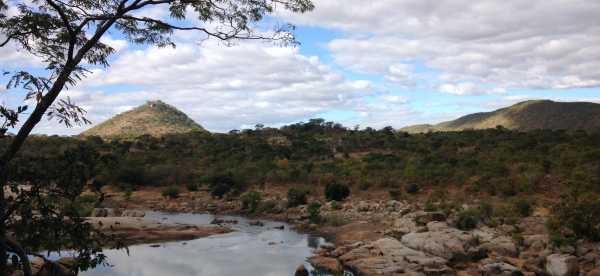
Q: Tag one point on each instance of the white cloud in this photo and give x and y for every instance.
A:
(546, 44)
(222, 87)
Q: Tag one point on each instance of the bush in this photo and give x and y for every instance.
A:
(576, 216)
(251, 201)
(468, 219)
(395, 194)
(336, 191)
(296, 197)
(522, 207)
(314, 212)
(412, 188)
(170, 192)
(221, 185)
(192, 187)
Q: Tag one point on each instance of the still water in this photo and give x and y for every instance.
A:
(251, 250)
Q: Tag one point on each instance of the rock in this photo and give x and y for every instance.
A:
(256, 223)
(133, 213)
(499, 269)
(493, 241)
(388, 256)
(327, 263)
(17, 273)
(99, 213)
(595, 272)
(422, 218)
(281, 227)
(68, 262)
(562, 265)
(445, 242)
(301, 271)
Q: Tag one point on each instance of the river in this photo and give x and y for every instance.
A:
(250, 250)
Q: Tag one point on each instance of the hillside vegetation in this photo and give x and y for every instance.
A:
(528, 115)
(154, 118)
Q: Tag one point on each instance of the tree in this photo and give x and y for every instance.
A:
(65, 35)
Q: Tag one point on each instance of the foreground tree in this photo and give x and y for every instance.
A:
(66, 36)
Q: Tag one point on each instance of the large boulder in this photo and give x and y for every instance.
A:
(441, 241)
(388, 256)
(562, 265)
(492, 241)
(499, 269)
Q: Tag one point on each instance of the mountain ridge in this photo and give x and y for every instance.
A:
(525, 116)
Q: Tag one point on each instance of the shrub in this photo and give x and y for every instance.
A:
(221, 185)
(251, 201)
(314, 212)
(412, 188)
(268, 206)
(576, 216)
(192, 186)
(468, 219)
(296, 197)
(336, 191)
(522, 207)
(395, 194)
(170, 192)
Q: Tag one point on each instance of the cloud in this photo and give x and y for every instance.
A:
(221, 87)
(537, 44)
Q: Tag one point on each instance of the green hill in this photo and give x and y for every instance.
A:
(154, 118)
(528, 115)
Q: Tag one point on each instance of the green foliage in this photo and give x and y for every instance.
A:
(412, 188)
(170, 192)
(395, 194)
(314, 212)
(192, 186)
(221, 185)
(85, 204)
(576, 216)
(336, 191)
(522, 206)
(251, 201)
(296, 197)
(468, 219)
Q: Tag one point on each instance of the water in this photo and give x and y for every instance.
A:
(251, 250)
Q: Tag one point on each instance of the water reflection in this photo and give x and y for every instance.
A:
(250, 251)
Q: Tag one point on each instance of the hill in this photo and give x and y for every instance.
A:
(528, 115)
(154, 118)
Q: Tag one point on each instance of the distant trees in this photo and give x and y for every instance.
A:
(66, 36)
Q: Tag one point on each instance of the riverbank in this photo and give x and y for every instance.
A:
(390, 237)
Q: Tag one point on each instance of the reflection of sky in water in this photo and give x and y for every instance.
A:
(245, 252)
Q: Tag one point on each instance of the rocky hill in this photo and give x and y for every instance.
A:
(528, 115)
(154, 118)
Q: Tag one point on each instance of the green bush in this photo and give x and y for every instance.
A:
(296, 197)
(468, 219)
(522, 207)
(412, 188)
(336, 191)
(221, 185)
(395, 194)
(576, 216)
(314, 212)
(251, 201)
(170, 192)
(192, 186)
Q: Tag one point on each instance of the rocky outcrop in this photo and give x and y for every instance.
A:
(562, 265)
(441, 241)
(500, 269)
(134, 230)
(387, 256)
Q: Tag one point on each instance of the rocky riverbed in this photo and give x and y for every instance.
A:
(389, 237)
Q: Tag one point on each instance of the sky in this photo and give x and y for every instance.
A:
(369, 63)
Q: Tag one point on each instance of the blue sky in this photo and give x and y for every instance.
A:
(374, 63)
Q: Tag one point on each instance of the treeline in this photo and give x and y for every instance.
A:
(496, 162)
